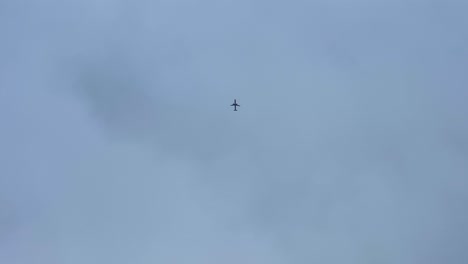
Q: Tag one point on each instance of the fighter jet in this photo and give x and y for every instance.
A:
(235, 105)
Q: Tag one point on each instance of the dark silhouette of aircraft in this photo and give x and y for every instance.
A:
(235, 105)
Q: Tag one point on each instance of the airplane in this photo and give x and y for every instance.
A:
(235, 105)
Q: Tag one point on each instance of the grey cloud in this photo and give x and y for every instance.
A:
(349, 146)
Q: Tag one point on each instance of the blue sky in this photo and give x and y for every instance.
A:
(118, 144)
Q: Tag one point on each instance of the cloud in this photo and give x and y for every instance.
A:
(349, 145)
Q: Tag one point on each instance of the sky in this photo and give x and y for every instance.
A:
(118, 144)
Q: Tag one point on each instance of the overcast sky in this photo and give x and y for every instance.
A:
(118, 144)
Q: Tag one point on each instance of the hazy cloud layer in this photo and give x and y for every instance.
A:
(119, 145)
